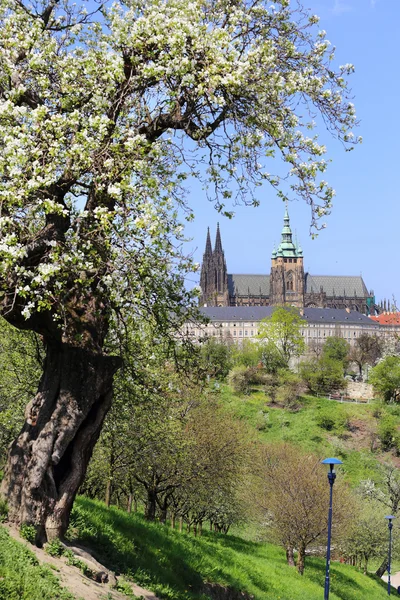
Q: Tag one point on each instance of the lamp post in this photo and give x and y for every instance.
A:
(331, 478)
(390, 525)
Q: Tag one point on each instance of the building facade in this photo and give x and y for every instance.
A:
(231, 324)
(287, 282)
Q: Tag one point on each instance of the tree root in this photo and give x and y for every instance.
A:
(91, 567)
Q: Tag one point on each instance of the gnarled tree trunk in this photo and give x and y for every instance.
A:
(47, 462)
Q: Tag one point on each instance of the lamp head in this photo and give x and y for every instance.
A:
(331, 462)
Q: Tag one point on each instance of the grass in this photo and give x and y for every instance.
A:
(321, 426)
(174, 565)
(21, 576)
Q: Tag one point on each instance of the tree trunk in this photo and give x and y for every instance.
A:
(290, 556)
(108, 492)
(135, 504)
(381, 570)
(150, 509)
(129, 507)
(301, 556)
(163, 515)
(173, 519)
(47, 462)
(109, 486)
(180, 524)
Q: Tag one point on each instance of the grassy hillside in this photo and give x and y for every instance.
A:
(174, 565)
(325, 427)
(21, 576)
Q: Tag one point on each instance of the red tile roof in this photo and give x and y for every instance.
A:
(388, 318)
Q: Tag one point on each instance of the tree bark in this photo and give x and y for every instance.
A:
(47, 462)
(301, 556)
(381, 570)
(150, 510)
(290, 556)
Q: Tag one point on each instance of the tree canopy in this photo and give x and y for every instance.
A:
(281, 334)
(104, 115)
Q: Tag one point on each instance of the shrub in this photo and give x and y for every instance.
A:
(55, 548)
(28, 532)
(323, 376)
(241, 378)
(388, 433)
(3, 511)
(238, 380)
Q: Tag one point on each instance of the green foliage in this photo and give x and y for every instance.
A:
(55, 548)
(385, 378)
(174, 565)
(323, 375)
(272, 359)
(28, 532)
(275, 424)
(248, 354)
(3, 510)
(21, 576)
(336, 348)
(215, 358)
(21, 357)
(282, 330)
(238, 379)
(241, 378)
(331, 419)
(388, 432)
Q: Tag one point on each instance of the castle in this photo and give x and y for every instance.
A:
(287, 283)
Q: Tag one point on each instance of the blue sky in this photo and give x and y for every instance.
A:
(363, 233)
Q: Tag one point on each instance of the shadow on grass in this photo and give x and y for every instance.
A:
(157, 556)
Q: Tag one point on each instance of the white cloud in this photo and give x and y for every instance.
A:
(341, 7)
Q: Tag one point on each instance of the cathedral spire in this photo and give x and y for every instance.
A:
(218, 243)
(208, 250)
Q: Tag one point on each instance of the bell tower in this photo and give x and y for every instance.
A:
(213, 275)
(287, 270)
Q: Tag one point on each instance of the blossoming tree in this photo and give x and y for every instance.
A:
(102, 117)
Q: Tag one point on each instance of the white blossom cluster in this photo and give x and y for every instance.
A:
(93, 118)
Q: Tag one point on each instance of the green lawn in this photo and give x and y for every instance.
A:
(349, 438)
(21, 576)
(174, 565)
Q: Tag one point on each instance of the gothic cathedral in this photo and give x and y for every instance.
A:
(286, 284)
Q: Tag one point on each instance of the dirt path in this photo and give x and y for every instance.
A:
(71, 578)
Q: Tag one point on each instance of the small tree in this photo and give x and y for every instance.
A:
(385, 378)
(322, 376)
(292, 494)
(282, 332)
(367, 535)
(215, 358)
(336, 348)
(367, 350)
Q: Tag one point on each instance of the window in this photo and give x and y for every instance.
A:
(251, 332)
(246, 332)
(234, 333)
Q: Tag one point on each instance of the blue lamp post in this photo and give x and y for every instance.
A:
(390, 524)
(331, 478)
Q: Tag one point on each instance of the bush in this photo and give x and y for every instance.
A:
(241, 378)
(28, 532)
(3, 511)
(55, 548)
(323, 375)
(388, 433)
